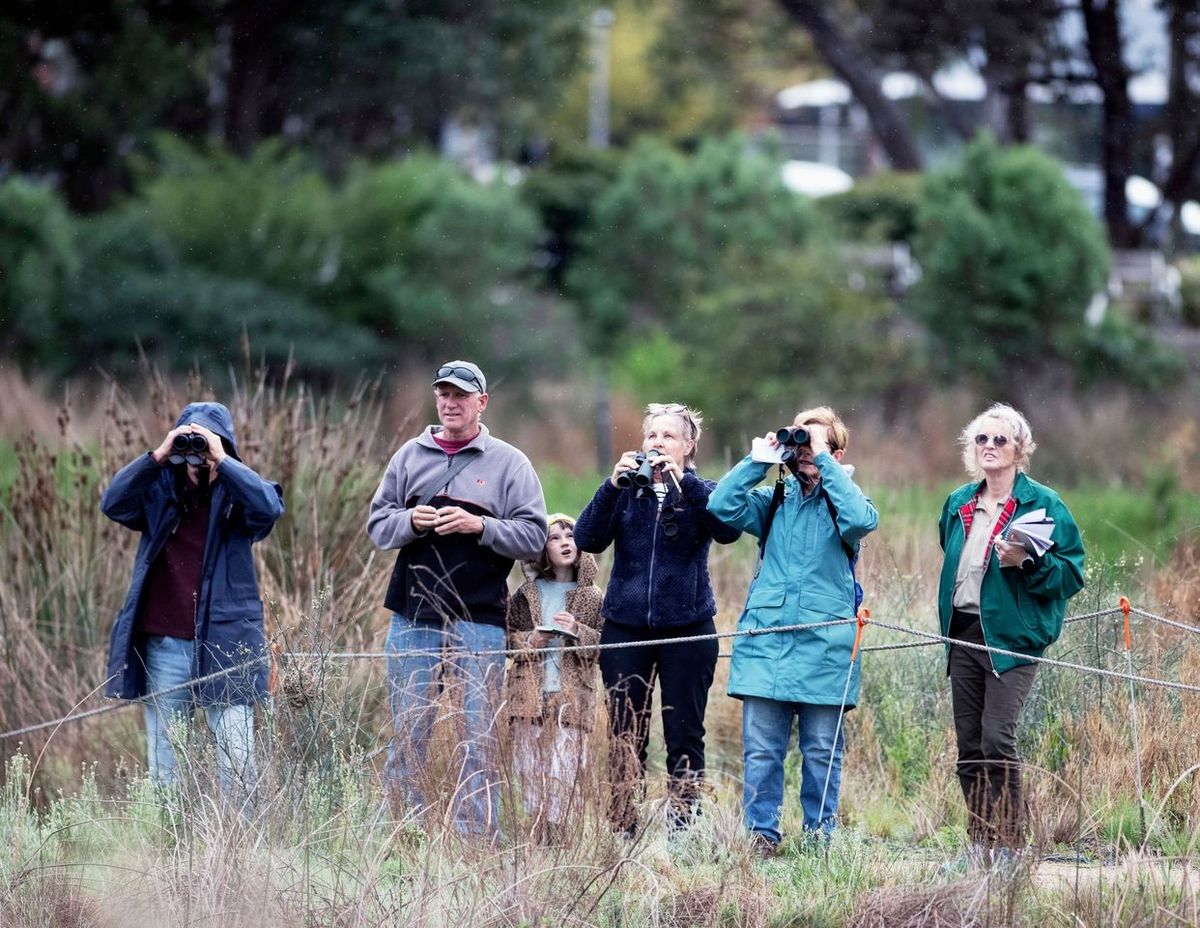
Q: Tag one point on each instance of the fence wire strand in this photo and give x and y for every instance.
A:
(929, 639)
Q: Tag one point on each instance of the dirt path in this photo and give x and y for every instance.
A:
(1155, 871)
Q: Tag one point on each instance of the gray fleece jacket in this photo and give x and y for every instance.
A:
(441, 577)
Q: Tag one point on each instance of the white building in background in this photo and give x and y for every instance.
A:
(819, 121)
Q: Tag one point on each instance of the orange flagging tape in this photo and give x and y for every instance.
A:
(863, 616)
(1126, 606)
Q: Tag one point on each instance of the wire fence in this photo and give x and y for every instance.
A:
(927, 639)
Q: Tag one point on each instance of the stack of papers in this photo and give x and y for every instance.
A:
(763, 453)
(1033, 530)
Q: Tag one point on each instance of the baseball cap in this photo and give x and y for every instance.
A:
(462, 374)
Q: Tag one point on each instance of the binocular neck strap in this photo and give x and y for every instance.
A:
(203, 478)
(457, 463)
(776, 502)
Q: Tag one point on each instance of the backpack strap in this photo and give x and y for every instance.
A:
(457, 463)
(851, 554)
(776, 502)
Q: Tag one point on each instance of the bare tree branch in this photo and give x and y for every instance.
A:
(851, 63)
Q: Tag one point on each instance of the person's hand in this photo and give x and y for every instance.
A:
(454, 520)
(771, 440)
(216, 448)
(627, 462)
(818, 438)
(424, 518)
(216, 451)
(539, 639)
(567, 622)
(163, 451)
(669, 468)
(1010, 553)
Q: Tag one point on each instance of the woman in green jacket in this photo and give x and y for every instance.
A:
(1000, 588)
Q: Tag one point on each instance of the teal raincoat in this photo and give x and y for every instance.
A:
(805, 577)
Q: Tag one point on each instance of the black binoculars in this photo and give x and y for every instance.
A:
(188, 448)
(791, 437)
(644, 475)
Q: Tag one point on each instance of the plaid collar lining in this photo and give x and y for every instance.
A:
(967, 514)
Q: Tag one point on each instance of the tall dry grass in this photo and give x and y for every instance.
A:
(68, 566)
(319, 848)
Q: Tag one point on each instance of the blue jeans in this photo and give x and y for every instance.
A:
(766, 731)
(168, 663)
(423, 660)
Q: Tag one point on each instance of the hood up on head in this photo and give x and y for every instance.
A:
(216, 418)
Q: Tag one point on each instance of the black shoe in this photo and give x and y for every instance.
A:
(763, 847)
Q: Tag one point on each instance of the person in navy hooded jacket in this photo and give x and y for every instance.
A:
(193, 614)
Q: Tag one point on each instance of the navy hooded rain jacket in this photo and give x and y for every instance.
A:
(229, 614)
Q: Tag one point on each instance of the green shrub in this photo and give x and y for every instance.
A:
(424, 250)
(671, 226)
(877, 209)
(1120, 347)
(38, 260)
(407, 250)
(757, 347)
(705, 278)
(266, 217)
(1189, 291)
(1010, 258)
(564, 192)
(133, 295)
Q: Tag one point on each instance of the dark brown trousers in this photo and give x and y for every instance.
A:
(987, 708)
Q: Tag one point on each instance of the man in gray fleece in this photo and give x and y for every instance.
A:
(460, 506)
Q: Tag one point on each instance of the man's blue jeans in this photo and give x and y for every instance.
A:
(424, 659)
(766, 731)
(168, 664)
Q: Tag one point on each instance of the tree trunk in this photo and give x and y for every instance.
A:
(851, 64)
(218, 83)
(1183, 31)
(1018, 114)
(254, 72)
(1102, 21)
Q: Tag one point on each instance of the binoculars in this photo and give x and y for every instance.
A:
(791, 437)
(188, 448)
(644, 475)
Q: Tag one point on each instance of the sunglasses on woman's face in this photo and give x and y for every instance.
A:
(998, 440)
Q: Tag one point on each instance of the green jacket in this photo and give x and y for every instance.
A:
(1021, 609)
(805, 578)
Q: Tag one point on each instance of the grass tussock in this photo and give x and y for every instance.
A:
(968, 903)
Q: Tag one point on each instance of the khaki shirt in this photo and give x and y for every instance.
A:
(969, 579)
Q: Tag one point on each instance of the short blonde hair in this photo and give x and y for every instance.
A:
(692, 419)
(1022, 436)
(839, 435)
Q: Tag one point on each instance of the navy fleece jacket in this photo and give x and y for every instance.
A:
(658, 580)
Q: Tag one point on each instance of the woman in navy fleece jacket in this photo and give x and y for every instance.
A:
(659, 588)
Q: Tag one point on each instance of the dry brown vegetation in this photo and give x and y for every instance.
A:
(319, 849)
